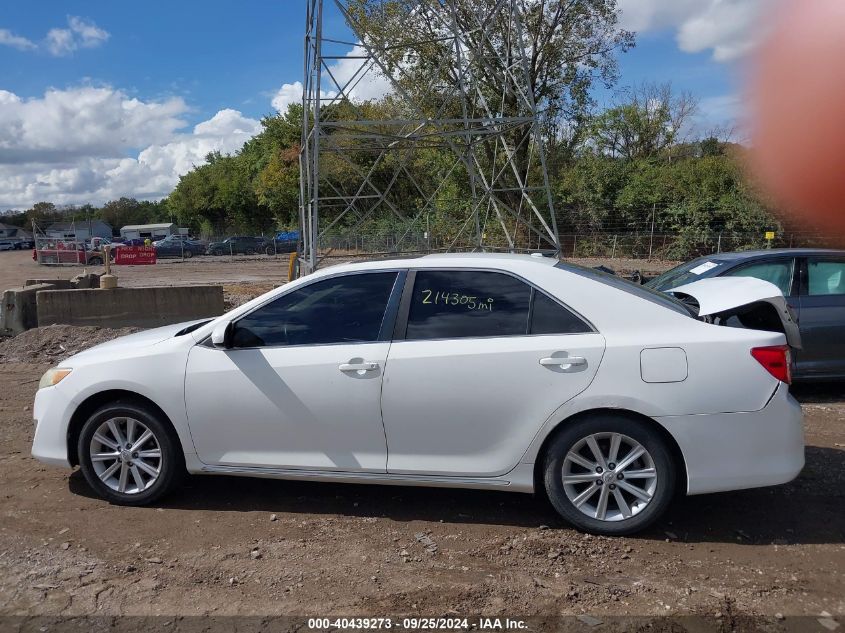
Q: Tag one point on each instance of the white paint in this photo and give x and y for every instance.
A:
(461, 413)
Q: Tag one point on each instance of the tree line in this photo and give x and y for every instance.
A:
(618, 168)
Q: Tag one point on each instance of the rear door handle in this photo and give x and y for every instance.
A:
(563, 361)
(358, 367)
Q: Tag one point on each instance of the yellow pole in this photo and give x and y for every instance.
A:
(292, 265)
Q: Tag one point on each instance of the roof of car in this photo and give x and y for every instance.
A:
(798, 252)
(459, 260)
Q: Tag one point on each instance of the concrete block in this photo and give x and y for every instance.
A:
(129, 307)
(88, 280)
(58, 284)
(19, 309)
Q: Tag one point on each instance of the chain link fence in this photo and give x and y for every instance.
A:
(601, 244)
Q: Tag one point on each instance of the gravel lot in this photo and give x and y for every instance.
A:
(231, 546)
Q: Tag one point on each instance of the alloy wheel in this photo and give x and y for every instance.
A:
(126, 455)
(609, 476)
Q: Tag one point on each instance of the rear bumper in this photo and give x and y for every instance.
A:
(731, 451)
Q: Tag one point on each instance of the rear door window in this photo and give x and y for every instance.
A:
(825, 277)
(777, 272)
(460, 304)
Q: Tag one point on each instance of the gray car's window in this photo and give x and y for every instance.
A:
(459, 304)
(344, 309)
(779, 273)
(825, 277)
(686, 273)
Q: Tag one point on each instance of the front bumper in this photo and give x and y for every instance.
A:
(52, 411)
(732, 451)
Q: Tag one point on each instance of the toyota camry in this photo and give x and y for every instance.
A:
(500, 372)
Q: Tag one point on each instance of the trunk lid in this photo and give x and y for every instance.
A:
(754, 303)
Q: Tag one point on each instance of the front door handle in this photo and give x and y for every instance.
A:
(358, 366)
(563, 361)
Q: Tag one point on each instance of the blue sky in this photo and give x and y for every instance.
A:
(202, 73)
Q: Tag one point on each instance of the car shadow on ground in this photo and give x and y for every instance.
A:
(807, 510)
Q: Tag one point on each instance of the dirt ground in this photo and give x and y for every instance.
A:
(236, 546)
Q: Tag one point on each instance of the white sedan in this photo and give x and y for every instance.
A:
(501, 372)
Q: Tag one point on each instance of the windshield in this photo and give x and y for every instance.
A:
(619, 283)
(685, 273)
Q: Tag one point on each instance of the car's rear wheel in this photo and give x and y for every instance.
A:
(188, 254)
(249, 251)
(609, 474)
(128, 455)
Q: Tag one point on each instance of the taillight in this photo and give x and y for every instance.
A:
(776, 360)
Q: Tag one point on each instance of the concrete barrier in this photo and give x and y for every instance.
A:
(18, 311)
(58, 284)
(129, 307)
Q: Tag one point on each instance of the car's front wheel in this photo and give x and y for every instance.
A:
(128, 455)
(609, 474)
(188, 254)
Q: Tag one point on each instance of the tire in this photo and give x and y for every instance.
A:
(249, 251)
(269, 250)
(169, 466)
(188, 254)
(574, 440)
(95, 261)
(217, 253)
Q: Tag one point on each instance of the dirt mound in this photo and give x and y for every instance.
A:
(54, 343)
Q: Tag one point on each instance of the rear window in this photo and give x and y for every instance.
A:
(685, 273)
(619, 283)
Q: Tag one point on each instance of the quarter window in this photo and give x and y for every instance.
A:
(825, 277)
(344, 309)
(549, 317)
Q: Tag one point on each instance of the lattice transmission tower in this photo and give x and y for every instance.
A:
(455, 138)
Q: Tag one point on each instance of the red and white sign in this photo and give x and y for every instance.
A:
(135, 255)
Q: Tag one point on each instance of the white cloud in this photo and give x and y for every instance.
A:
(81, 33)
(60, 42)
(7, 38)
(730, 28)
(89, 34)
(344, 74)
(95, 144)
(292, 93)
(363, 86)
(286, 95)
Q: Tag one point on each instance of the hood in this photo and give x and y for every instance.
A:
(757, 304)
(145, 338)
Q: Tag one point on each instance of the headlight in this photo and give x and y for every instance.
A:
(53, 377)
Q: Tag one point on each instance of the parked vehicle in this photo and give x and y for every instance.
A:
(237, 245)
(813, 282)
(135, 241)
(504, 372)
(7, 245)
(179, 248)
(19, 243)
(282, 242)
(61, 252)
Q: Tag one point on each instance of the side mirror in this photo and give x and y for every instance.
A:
(221, 336)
